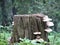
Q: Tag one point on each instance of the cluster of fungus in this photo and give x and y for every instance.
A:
(48, 22)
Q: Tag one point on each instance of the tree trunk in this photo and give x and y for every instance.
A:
(4, 14)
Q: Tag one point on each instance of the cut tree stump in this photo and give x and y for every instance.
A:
(26, 25)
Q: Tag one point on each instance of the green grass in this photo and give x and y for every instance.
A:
(53, 37)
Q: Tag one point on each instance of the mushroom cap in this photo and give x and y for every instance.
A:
(49, 23)
(13, 23)
(48, 30)
(37, 33)
(46, 18)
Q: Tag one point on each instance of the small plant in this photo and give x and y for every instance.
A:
(3, 42)
(30, 42)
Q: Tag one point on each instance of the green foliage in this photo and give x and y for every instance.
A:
(23, 43)
(4, 35)
(3, 38)
(6, 28)
(54, 38)
(37, 6)
(3, 42)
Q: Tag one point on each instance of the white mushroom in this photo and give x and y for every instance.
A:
(12, 23)
(48, 30)
(8, 39)
(37, 33)
(46, 18)
(49, 23)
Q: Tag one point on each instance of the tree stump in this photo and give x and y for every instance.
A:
(26, 25)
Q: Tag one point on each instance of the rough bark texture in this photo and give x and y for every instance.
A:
(25, 25)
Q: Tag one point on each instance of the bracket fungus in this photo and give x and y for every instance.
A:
(48, 30)
(12, 23)
(49, 23)
(35, 33)
(46, 18)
